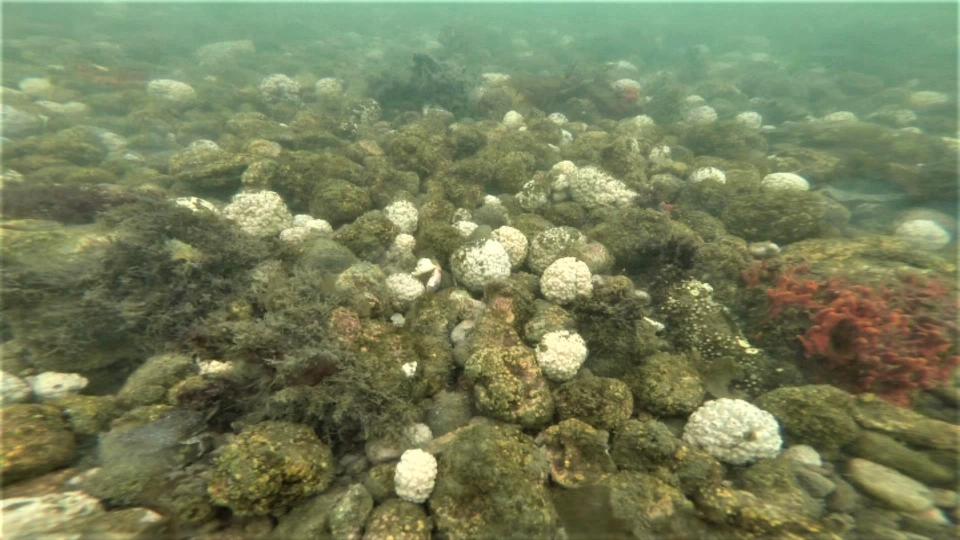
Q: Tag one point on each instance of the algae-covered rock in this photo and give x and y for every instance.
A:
(448, 411)
(886, 450)
(602, 402)
(775, 481)
(339, 202)
(781, 216)
(396, 519)
(150, 383)
(818, 415)
(138, 455)
(577, 452)
(36, 439)
(640, 445)
(644, 239)
(350, 512)
(369, 236)
(874, 413)
(88, 415)
(310, 518)
(491, 484)
(647, 503)
(740, 509)
(379, 481)
(508, 385)
(269, 466)
(894, 489)
(667, 384)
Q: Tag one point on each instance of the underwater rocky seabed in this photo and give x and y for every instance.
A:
(403, 294)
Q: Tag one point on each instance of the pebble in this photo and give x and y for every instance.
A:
(52, 385)
(945, 498)
(32, 517)
(886, 450)
(816, 484)
(805, 454)
(889, 486)
(13, 389)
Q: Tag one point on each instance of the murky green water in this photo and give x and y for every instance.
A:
(479, 270)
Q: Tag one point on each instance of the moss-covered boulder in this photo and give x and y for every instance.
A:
(667, 384)
(818, 415)
(270, 466)
(397, 519)
(578, 453)
(36, 439)
(491, 483)
(602, 402)
(508, 385)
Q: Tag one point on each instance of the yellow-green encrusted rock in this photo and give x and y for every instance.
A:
(270, 466)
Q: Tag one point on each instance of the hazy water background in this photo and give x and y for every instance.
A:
(895, 41)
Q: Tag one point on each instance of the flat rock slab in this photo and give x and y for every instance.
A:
(889, 486)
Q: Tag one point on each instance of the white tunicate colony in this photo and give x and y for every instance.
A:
(560, 354)
(259, 213)
(478, 263)
(415, 476)
(786, 181)
(565, 280)
(733, 431)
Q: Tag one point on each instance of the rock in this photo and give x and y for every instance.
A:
(151, 381)
(844, 499)
(449, 411)
(35, 440)
(814, 483)
(398, 520)
(13, 389)
(30, 517)
(309, 519)
(887, 485)
(51, 385)
(945, 498)
(578, 453)
(817, 415)
(805, 454)
(873, 413)
(888, 451)
(350, 512)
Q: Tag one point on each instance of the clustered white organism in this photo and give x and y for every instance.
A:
(566, 280)
(415, 476)
(708, 173)
(840, 116)
(733, 431)
(196, 204)
(513, 120)
(514, 242)
(328, 87)
(403, 214)
(750, 119)
(51, 385)
(925, 234)
(171, 90)
(403, 289)
(278, 88)
(560, 354)
(259, 213)
(594, 188)
(785, 180)
(703, 115)
(304, 226)
(480, 262)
